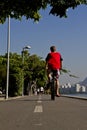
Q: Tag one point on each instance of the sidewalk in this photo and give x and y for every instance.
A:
(2, 98)
(76, 97)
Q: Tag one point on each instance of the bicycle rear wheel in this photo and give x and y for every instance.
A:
(53, 90)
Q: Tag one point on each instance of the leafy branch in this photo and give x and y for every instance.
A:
(68, 72)
(31, 8)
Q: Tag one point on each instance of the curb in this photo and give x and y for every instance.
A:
(9, 98)
(75, 97)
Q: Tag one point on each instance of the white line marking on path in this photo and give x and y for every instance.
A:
(38, 109)
(39, 124)
(39, 101)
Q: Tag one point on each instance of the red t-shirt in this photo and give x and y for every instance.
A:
(54, 60)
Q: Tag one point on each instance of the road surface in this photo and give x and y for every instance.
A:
(40, 113)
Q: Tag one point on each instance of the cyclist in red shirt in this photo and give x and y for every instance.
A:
(54, 62)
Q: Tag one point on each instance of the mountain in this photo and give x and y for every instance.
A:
(84, 82)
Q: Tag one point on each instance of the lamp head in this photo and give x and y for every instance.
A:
(27, 47)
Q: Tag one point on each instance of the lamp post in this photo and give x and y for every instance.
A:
(8, 50)
(26, 47)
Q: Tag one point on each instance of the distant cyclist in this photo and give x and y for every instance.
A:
(54, 62)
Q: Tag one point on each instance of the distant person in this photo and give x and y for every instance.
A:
(38, 91)
(41, 90)
(54, 62)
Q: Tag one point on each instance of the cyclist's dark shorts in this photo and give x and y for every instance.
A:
(56, 73)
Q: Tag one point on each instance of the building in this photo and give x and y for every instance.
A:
(72, 89)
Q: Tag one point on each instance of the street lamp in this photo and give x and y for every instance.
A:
(8, 50)
(26, 47)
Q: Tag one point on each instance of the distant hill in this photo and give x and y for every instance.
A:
(84, 82)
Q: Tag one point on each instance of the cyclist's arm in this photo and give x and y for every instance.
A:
(47, 59)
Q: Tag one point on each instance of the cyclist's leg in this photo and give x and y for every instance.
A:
(57, 83)
(57, 88)
(48, 76)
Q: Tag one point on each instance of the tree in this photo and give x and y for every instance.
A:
(33, 69)
(31, 8)
(36, 70)
(2, 73)
(15, 75)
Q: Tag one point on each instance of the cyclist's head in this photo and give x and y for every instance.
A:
(53, 48)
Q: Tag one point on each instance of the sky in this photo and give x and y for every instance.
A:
(69, 35)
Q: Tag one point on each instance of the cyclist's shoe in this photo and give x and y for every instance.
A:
(57, 95)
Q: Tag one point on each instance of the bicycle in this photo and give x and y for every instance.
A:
(53, 79)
